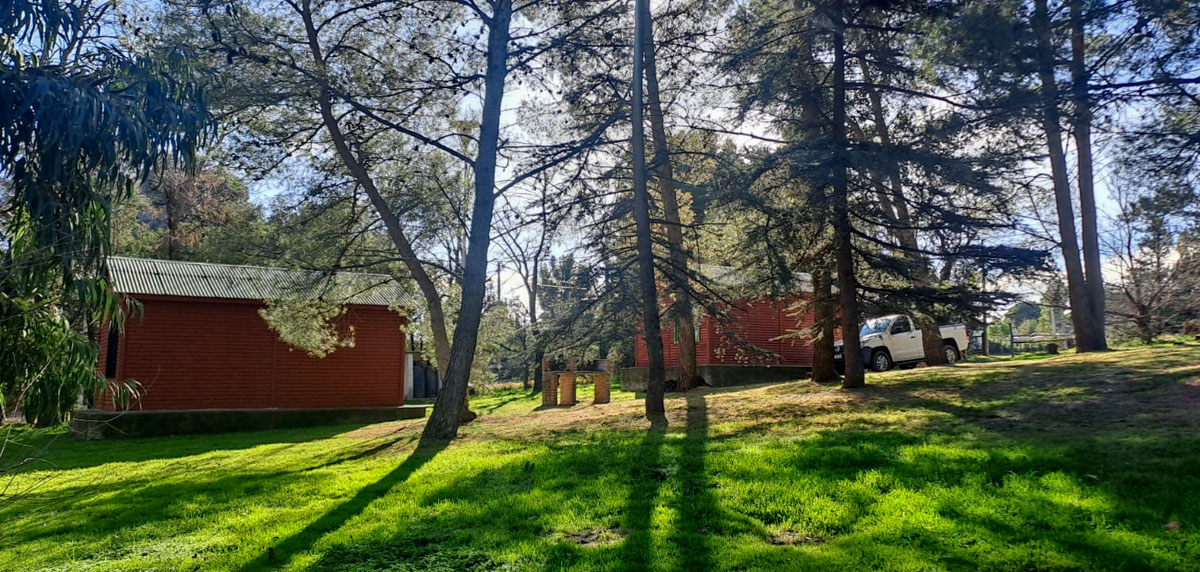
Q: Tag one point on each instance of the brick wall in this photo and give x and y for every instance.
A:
(763, 323)
(198, 353)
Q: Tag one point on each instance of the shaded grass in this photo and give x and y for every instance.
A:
(1066, 463)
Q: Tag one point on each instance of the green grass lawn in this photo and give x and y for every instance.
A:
(1065, 463)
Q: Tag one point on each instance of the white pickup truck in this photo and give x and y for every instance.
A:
(895, 340)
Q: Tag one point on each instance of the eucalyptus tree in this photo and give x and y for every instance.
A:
(292, 80)
(85, 116)
(1089, 324)
(647, 286)
(596, 87)
(368, 82)
(776, 51)
(680, 261)
(1072, 69)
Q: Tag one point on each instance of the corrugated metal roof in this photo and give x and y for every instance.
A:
(205, 280)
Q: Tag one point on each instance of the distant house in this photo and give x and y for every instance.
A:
(754, 342)
(198, 344)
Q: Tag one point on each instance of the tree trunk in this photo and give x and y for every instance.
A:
(824, 307)
(1082, 122)
(437, 323)
(450, 406)
(172, 208)
(847, 282)
(824, 303)
(429, 291)
(538, 377)
(905, 232)
(433, 300)
(641, 215)
(931, 339)
(1145, 333)
(983, 335)
(1076, 289)
(682, 307)
(539, 353)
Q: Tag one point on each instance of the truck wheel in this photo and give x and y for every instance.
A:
(881, 361)
(952, 354)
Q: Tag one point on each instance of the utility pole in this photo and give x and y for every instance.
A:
(984, 336)
(499, 265)
(1012, 338)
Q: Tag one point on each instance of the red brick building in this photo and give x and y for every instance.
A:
(198, 341)
(754, 342)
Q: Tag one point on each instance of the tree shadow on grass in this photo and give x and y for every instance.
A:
(1051, 508)
(365, 453)
(1158, 393)
(108, 513)
(1085, 500)
(90, 513)
(1050, 401)
(533, 511)
(637, 551)
(67, 452)
(697, 507)
(998, 489)
(568, 497)
(1047, 502)
(283, 552)
(490, 408)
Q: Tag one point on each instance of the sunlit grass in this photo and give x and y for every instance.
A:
(1069, 462)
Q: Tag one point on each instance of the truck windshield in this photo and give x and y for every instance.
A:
(874, 326)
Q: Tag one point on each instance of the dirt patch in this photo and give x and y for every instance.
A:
(1148, 390)
(1153, 389)
(597, 536)
(792, 538)
(538, 425)
(760, 404)
(390, 429)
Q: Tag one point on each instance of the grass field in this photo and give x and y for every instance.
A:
(1065, 463)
